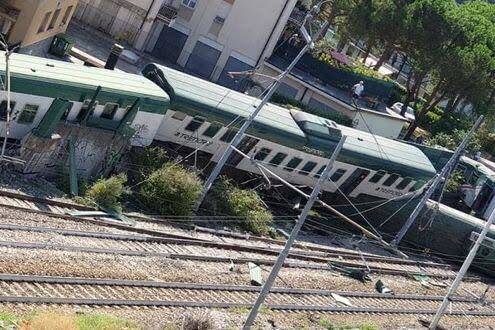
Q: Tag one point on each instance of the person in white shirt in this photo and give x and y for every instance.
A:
(357, 90)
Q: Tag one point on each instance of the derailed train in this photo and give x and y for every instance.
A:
(383, 178)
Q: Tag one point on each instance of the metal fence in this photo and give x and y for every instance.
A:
(125, 31)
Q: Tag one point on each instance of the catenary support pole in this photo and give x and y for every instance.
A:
(285, 252)
(465, 266)
(238, 137)
(434, 184)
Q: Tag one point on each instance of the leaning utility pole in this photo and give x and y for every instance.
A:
(285, 252)
(434, 184)
(7, 89)
(455, 285)
(238, 137)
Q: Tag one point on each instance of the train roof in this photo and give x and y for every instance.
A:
(76, 75)
(365, 149)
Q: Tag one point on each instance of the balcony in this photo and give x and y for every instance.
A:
(8, 17)
(168, 12)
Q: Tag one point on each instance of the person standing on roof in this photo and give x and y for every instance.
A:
(357, 90)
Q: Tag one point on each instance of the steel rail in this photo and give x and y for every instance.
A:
(209, 258)
(228, 246)
(299, 255)
(101, 283)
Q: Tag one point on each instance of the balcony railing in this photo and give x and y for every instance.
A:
(168, 12)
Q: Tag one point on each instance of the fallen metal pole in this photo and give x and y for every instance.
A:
(342, 216)
(436, 181)
(240, 134)
(295, 231)
(465, 266)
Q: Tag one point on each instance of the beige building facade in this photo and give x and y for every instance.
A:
(26, 22)
(210, 38)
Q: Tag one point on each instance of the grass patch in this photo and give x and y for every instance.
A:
(107, 193)
(328, 325)
(103, 322)
(8, 321)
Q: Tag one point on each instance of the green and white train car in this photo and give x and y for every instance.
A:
(36, 82)
(374, 173)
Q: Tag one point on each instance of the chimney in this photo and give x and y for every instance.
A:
(113, 58)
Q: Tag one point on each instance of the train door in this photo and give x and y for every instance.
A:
(354, 180)
(246, 145)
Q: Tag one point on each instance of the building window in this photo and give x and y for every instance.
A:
(307, 168)
(67, 13)
(390, 180)
(44, 22)
(338, 175)
(377, 177)
(278, 159)
(3, 109)
(189, 3)
(28, 114)
(109, 110)
(229, 135)
(212, 130)
(292, 164)
(54, 19)
(262, 154)
(195, 124)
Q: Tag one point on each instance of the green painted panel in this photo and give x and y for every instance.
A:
(51, 118)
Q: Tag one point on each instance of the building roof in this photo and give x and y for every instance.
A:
(76, 75)
(388, 154)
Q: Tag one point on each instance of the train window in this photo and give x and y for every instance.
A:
(338, 175)
(179, 115)
(318, 174)
(28, 114)
(262, 154)
(391, 179)
(212, 130)
(278, 158)
(3, 109)
(195, 124)
(85, 109)
(307, 168)
(229, 135)
(292, 164)
(377, 177)
(404, 183)
(109, 110)
(66, 113)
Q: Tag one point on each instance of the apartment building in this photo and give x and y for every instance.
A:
(210, 38)
(27, 22)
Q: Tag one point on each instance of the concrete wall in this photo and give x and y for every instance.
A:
(32, 14)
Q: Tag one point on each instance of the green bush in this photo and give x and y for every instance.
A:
(145, 161)
(243, 204)
(107, 193)
(453, 139)
(171, 190)
(337, 117)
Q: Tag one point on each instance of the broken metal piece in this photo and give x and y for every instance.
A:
(383, 288)
(341, 300)
(255, 274)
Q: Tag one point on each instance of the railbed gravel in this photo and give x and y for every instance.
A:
(173, 318)
(72, 264)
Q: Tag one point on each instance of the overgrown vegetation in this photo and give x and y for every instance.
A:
(58, 321)
(171, 190)
(107, 193)
(245, 205)
(144, 161)
(332, 115)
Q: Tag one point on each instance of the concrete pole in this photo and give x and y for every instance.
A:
(465, 266)
(240, 134)
(285, 252)
(436, 181)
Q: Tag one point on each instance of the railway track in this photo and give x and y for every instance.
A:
(109, 292)
(138, 245)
